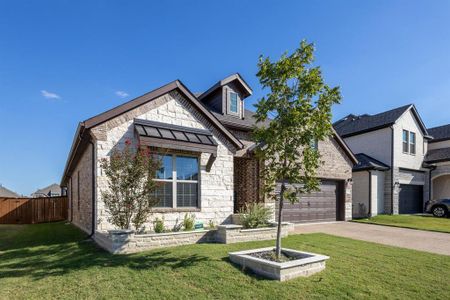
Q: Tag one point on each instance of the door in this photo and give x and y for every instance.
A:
(410, 199)
(319, 206)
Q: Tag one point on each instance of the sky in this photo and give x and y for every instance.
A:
(62, 62)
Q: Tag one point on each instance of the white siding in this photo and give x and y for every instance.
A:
(375, 143)
(406, 160)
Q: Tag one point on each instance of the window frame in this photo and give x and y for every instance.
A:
(405, 142)
(175, 181)
(230, 92)
(412, 134)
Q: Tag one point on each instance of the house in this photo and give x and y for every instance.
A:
(53, 190)
(207, 152)
(6, 193)
(438, 159)
(391, 176)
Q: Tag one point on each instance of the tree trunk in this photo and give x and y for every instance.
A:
(280, 219)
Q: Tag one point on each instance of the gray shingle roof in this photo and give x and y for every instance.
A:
(353, 124)
(4, 192)
(230, 121)
(366, 162)
(437, 155)
(439, 133)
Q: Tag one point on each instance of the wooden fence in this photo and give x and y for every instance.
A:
(33, 210)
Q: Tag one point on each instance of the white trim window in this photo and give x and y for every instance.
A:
(405, 141)
(234, 102)
(179, 178)
(412, 142)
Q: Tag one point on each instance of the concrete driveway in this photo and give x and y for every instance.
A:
(428, 241)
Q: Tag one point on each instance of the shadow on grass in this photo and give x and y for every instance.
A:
(45, 256)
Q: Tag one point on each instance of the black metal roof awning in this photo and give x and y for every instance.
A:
(168, 136)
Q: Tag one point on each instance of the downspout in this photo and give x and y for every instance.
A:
(93, 189)
(71, 199)
(370, 193)
(392, 170)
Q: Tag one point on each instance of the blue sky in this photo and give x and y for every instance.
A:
(64, 61)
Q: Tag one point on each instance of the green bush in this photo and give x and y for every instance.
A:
(158, 225)
(188, 222)
(255, 215)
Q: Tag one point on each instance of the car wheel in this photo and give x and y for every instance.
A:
(439, 211)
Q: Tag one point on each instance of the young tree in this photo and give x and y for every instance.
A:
(299, 104)
(130, 174)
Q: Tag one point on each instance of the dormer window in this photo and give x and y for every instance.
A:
(233, 102)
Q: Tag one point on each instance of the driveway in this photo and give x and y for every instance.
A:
(428, 241)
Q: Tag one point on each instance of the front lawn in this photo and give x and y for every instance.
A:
(53, 261)
(410, 221)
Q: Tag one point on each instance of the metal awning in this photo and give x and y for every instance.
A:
(163, 135)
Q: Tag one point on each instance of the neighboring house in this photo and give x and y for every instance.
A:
(52, 190)
(208, 166)
(438, 159)
(6, 193)
(391, 176)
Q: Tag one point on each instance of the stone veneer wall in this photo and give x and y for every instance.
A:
(81, 200)
(216, 186)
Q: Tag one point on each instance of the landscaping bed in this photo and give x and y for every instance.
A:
(48, 261)
(429, 223)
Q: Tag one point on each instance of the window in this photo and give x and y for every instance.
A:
(178, 177)
(405, 141)
(233, 102)
(78, 189)
(412, 143)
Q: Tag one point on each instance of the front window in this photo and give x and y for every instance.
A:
(405, 141)
(178, 177)
(233, 102)
(412, 143)
(314, 144)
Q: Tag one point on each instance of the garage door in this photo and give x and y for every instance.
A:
(410, 199)
(314, 207)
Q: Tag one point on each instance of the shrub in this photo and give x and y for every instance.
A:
(158, 225)
(211, 224)
(255, 215)
(188, 222)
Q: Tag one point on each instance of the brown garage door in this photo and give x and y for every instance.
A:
(314, 207)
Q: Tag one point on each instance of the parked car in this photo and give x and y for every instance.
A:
(439, 208)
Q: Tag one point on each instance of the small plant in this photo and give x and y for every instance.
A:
(255, 215)
(158, 225)
(211, 224)
(188, 222)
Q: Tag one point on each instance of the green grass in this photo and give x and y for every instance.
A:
(50, 261)
(410, 221)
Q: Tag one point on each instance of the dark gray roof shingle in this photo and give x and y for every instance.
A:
(246, 124)
(437, 155)
(352, 124)
(366, 162)
(439, 133)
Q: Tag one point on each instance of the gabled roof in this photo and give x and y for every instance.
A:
(437, 155)
(440, 133)
(82, 135)
(366, 162)
(47, 189)
(4, 192)
(235, 77)
(354, 125)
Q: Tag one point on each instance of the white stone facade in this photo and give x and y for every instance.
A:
(215, 186)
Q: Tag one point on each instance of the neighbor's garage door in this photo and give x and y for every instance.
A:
(410, 199)
(314, 207)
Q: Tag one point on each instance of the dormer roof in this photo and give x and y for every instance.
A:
(247, 91)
